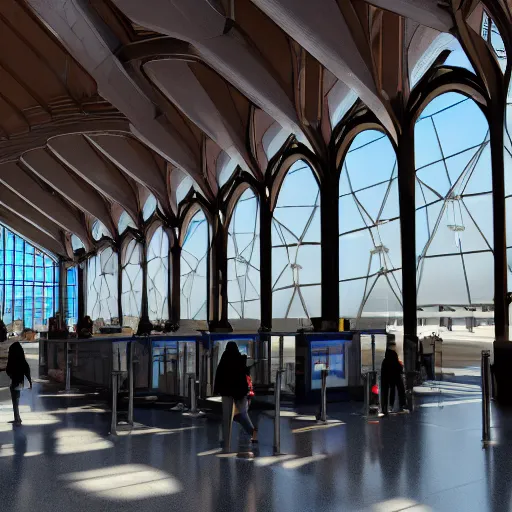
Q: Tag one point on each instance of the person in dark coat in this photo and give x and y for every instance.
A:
(391, 378)
(231, 385)
(17, 369)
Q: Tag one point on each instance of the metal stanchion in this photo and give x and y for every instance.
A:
(370, 379)
(323, 403)
(184, 362)
(373, 352)
(281, 352)
(193, 394)
(277, 413)
(366, 408)
(130, 382)
(115, 390)
(486, 396)
(68, 367)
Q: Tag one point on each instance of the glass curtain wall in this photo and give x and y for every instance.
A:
(131, 297)
(244, 258)
(296, 241)
(158, 276)
(71, 315)
(29, 284)
(454, 225)
(369, 233)
(193, 269)
(102, 288)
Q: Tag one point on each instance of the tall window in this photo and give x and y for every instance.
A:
(102, 285)
(29, 284)
(125, 221)
(194, 266)
(454, 226)
(296, 240)
(369, 230)
(149, 207)
(244, 258)
(158, 276)
(71, 315)
(131, 298)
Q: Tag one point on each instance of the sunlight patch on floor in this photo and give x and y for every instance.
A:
(269, 461)
(303, 461)
(451, 402)
(124, 483)
(138, 430)
(69, 441)
(399, 505)
(320, 426)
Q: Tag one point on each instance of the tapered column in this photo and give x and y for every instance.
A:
(145, 325)
(330, 252)
(265, 263)
(120, 285)
(81, 277)
(502, 345)
(496, 124)
(407, 198)
(174, 283)
(63, 289)
(218, 320)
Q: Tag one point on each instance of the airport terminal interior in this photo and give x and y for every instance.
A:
(326, 183)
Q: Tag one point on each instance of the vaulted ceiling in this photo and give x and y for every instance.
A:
(104, 102)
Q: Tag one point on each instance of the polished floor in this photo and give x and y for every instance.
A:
(63, 459)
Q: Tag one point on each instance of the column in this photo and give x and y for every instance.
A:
(175, 283)
(218, 320)
(120, 283)
(496, 124)
(81, 289)
(265, 262)
(63, 292)
(502, 345)
(145, 325)
(330, 251)
(407, 198)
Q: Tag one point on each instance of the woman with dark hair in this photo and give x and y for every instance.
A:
(231, 385)
(391, 378)
(17, 369)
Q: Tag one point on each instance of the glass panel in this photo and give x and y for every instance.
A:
(491, 34)
(125, 221)
(76, 243)
(131, 284)
(244, 258)
(102, 285)
(370, 256)
(442, 42)
(71, 315)
(193, 272)
(296, 250)
(99, 231)
(149, 207)
(158, 276)
(21, 266)
(454, 242)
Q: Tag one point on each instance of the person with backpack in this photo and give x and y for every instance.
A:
(17, 369)
(391, 378)
(231, 384)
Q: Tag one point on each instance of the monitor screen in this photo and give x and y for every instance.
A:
(328, 355)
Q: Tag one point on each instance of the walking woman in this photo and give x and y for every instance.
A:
(17, 369)
(231, 385)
